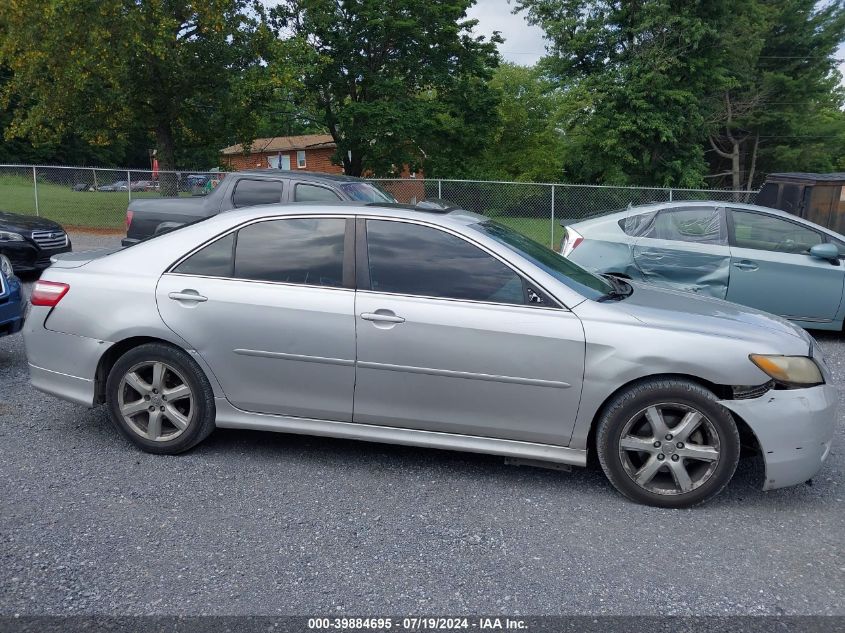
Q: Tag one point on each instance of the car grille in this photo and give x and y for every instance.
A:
(50, 239)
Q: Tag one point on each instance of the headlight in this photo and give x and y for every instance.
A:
(791, 371)
(6, 267)
(7, 236)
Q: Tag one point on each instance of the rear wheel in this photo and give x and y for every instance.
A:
(160, 399)
(668, 443)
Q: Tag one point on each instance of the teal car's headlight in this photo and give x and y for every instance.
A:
(8, 236)
(789, 371)
(6, 267)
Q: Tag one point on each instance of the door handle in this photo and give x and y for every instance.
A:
(745, 265)
(187, 295)
(382, 317)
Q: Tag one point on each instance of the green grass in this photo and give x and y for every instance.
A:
(81, 209)
(538, 229)
(107, 209)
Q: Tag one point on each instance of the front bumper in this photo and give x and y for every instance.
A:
(11, 307)
(795, 429)
(128, 241)
(27, 256)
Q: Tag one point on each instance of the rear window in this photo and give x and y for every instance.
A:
(365, 192)
(249, 193)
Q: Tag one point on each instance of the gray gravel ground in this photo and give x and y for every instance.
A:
(252, 523)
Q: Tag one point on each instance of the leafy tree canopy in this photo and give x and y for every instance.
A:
(186, 72)
(395, 82)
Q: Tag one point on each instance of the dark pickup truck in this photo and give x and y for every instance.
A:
(146, 217)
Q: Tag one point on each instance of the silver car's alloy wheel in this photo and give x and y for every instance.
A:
(155, 401)
(669, 449)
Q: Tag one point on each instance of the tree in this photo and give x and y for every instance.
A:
(99, 68)
(781, 106)
(636, 70)
(664, 91)
(395, 82)
(527, 144)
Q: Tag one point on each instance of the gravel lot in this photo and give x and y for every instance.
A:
(252, 523)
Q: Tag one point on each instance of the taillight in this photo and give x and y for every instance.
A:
(129, 215)
(571, 240)
(48, 293)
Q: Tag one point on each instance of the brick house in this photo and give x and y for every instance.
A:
(312, 152)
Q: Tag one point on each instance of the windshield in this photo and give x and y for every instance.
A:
(366, 192)
(582, 281)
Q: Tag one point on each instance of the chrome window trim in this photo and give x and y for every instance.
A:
(351, 216)
(259, 281)
(498, 304)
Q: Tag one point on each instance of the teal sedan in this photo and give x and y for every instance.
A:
(755, 256)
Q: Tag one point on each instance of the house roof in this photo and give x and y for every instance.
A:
(809, 177)
(281, 144)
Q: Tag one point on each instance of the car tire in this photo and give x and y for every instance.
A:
(652, 433)
(160, 399)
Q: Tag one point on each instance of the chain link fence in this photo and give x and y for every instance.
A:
(94, 199)
(537, 209)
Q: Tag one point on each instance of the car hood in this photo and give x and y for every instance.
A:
(26, 223)
(678, 310)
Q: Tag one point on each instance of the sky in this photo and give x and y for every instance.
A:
(524, 43)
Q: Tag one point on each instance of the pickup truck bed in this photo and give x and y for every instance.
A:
(146, 217)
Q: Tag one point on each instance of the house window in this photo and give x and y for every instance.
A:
(300, 159)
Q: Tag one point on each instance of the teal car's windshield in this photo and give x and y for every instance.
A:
(582, 281)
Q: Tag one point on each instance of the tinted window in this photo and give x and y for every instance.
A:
(312, 193)
(768, 233)
(562, 269)
(366, 192)
(215, 260)
(300, 251)
(418, 260)
(252, 192)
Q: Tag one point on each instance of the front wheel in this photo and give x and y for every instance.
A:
(160, 399)
(667, 443)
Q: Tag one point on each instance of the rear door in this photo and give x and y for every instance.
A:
(772, 270)
(685, 248)
(270, 307)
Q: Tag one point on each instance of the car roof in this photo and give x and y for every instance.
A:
(301, 175)
(690, 204)
(453, 216)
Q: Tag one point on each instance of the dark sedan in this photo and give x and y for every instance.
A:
(29, 242)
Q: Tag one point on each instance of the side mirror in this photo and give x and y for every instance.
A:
(828, 252)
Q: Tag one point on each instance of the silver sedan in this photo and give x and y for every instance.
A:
(433, 329)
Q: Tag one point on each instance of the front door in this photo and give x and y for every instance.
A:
(448, 342)
(772, 270)
(269, 309)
